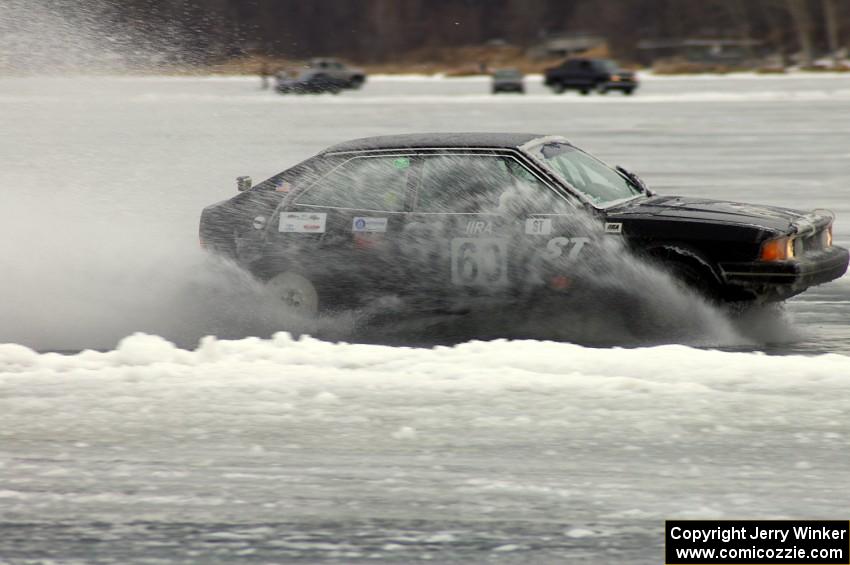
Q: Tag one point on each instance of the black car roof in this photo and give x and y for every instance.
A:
(435, 140)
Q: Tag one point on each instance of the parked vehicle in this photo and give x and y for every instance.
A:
(587, 75)
(320, 75)
(508, 80)
(446, 220)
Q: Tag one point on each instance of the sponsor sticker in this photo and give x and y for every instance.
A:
(613, 227)
(479, 227)
(302, 222)
(538, 226)
(370, 225)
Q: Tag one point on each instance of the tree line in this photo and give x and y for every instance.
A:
(384, 30)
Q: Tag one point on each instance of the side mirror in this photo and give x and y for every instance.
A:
(635, 179)
(243, 183)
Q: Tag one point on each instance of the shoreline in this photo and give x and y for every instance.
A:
(408, 77)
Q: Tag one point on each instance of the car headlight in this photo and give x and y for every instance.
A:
(779, 249)
(827, 236)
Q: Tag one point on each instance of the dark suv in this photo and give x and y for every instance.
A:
(585, 75)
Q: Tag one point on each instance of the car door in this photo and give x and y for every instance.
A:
(480, 226)
(341, 231)
(586, 74)
(338, 73)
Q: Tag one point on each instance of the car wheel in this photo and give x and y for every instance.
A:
(356, 83)
(584, 91)
(296, 293)
(628, 91)
(558, 88)
(693, 279)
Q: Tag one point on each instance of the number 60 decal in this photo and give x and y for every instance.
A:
(479, 261)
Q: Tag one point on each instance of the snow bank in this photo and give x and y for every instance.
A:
(484, 366)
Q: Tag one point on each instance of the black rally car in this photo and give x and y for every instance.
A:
(445, 219)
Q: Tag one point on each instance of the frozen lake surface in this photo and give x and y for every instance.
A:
(271, 449)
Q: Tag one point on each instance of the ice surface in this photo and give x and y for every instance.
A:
(306, 448)
(274, 449)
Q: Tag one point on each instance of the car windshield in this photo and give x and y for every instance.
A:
(609, 66)
(508, 73)
(599, 183)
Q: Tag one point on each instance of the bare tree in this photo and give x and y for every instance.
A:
(830, 14)
(799, 10)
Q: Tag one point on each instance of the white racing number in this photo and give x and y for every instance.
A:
(556, 247)
(479, 261)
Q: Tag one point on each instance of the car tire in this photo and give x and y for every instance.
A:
(558, 88)
(694, 279)
(628, 91)
(584, 91)
(296, 293)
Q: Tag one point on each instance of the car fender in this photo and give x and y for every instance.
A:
(683, 253)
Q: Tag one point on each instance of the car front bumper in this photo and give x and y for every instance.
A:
(508, 87)
(621, 85)
(780, 279)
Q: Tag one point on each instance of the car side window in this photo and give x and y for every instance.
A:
(476, 184)
(362, 183)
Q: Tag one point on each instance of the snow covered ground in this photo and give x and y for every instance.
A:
(273, 448)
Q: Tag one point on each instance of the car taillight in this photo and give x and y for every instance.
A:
(779, 249)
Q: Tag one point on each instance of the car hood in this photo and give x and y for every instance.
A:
(782, 220)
